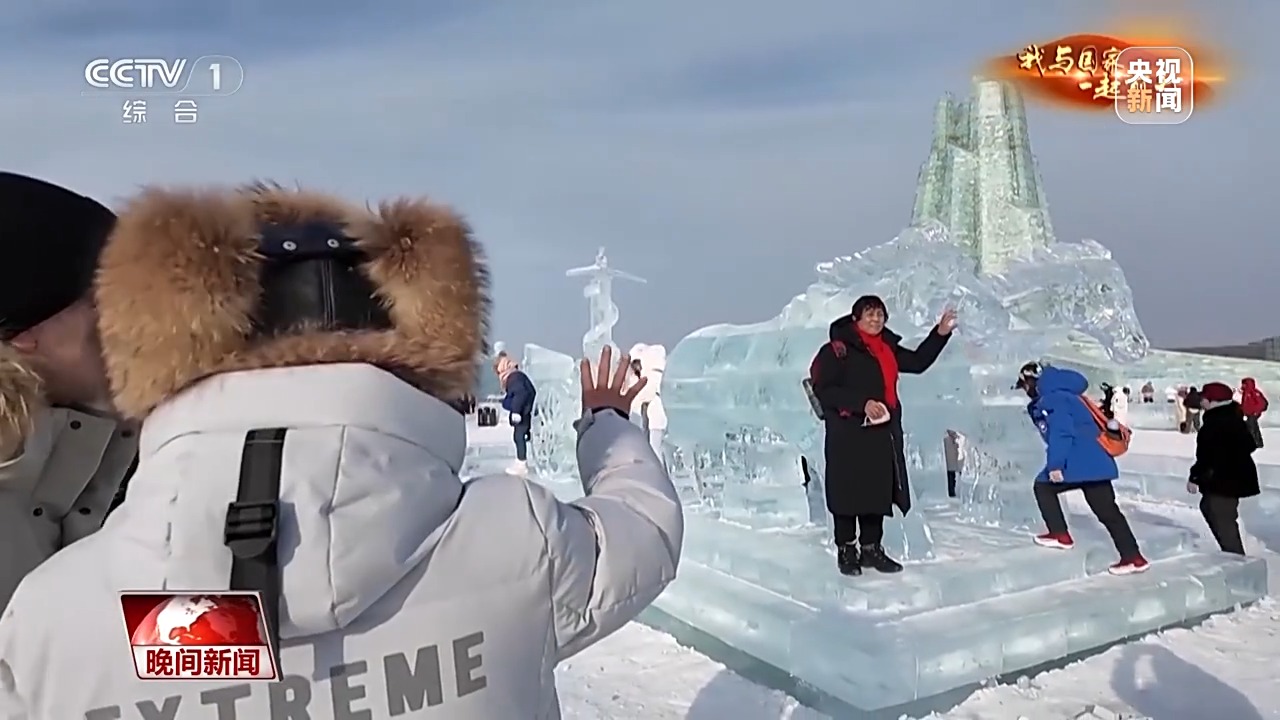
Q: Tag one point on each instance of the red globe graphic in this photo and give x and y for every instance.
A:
(202, 620)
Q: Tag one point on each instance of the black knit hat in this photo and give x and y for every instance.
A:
(50, 239)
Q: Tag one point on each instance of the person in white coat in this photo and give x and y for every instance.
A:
(1120, 406)
(652, 363)
(64, 456)
(346, 337)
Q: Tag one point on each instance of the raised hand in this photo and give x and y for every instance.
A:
(947, 322)
(608, 388)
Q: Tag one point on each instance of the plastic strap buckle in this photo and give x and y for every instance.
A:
(251, 527)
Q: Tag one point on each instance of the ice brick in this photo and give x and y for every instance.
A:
(800, 564)
(876, 664)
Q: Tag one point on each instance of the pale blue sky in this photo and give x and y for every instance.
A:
(717, 147)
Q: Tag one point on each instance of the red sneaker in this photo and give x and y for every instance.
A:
(1130, 566)
(1057, 541)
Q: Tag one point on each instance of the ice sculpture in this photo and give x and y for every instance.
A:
(730, 390)
(599, 295)
(981, 179)
(555, 375)
(978, 600)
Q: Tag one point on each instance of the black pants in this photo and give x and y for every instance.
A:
(1223, 514)
(522, 434)
(951, 483)
(1254, 429)
(1102, 501)
(859, 529)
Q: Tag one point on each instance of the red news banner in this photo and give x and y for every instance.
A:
(198, 636)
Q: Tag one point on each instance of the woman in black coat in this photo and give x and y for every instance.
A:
(1224, 471)
(855, 378)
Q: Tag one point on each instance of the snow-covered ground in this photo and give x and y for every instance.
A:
(1224, 669)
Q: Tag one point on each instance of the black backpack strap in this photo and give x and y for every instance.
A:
(253, 525)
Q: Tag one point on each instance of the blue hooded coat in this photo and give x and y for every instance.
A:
(1069, 431)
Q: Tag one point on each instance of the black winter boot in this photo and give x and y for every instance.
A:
(848, 561)
(873, 557)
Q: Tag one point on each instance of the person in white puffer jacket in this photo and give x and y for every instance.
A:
(653, 363)
(323, 349)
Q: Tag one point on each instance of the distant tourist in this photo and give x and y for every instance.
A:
(1224, 471)
(518, 401)
(953, 455)
(653, 416)
(1192, 402)
(855, 378)
(1120, 406)
(1253, 403)
(1108, 400)
(1180, 409)
(1075, 459)
(1148, 393)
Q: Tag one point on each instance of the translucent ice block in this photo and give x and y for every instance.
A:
(555, 376)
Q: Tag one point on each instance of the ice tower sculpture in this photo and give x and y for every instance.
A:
(599, 295)
(981, 180)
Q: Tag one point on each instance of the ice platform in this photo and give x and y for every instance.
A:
(990, 603)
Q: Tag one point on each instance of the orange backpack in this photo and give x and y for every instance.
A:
(1112, 436)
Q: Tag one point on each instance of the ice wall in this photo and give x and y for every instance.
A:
(735, 401)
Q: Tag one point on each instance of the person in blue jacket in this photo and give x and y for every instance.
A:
(1074, 460)
(518, 402)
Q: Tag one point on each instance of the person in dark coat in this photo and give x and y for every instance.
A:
(1193, 402)
(1108, 400)
(855, 378)
(519, 403)
(1224, 471)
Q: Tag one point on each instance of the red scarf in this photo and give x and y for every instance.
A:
(883, 354)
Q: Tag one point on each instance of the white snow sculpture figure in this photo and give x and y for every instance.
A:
(653, 363)
(599, 295)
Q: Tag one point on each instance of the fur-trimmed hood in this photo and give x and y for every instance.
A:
(180, 279)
